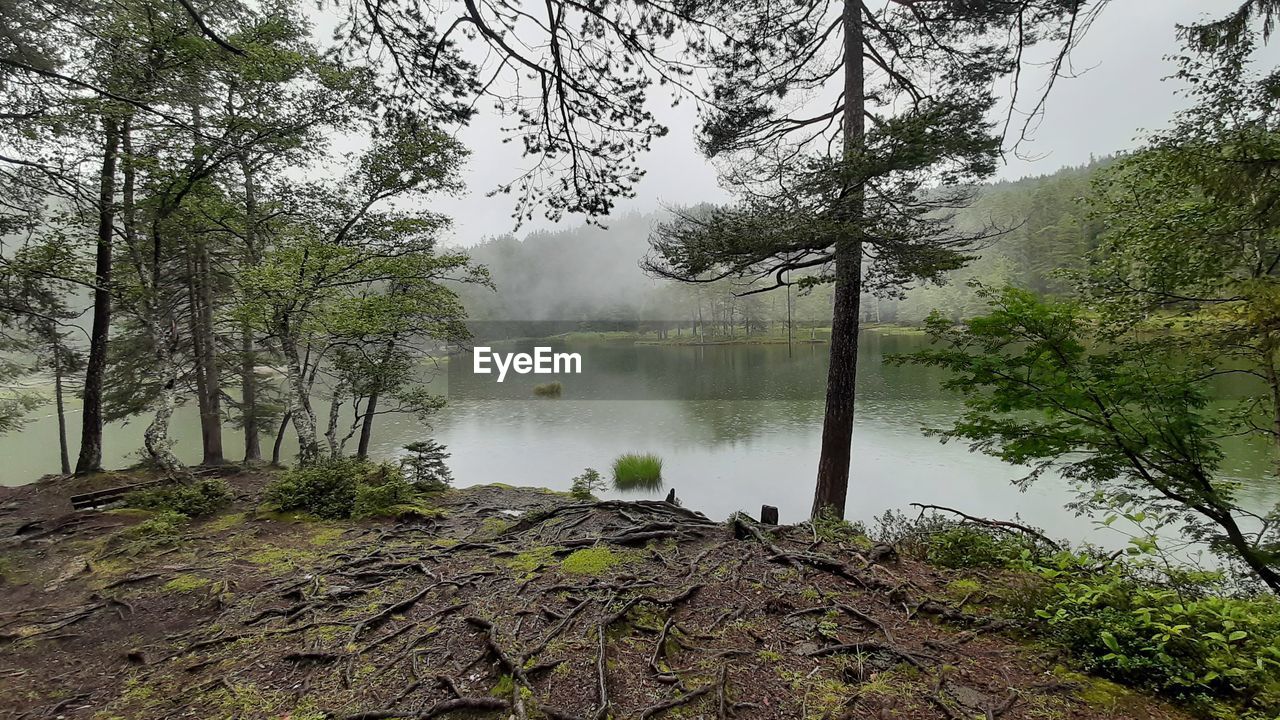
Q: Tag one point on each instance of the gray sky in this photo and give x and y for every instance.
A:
(1105, 109)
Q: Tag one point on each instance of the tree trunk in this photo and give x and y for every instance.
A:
(837, 423)
(63, 455)
(156, 436)
(205, 370)
(331, 430)
(90, 459)
(249, 397)
(1273, 384)
(304, 418)
(248, 357)
(211, 421)
(366, 426)
(275, 449)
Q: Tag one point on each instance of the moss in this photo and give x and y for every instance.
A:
(900, 682)
(128, 512)
(243, 700)
(325, 536)
(186, 583)
(592, 561)
(280, 559)
(162, 528)
(769, 656)
(414, 511)
(225, 522)
(962, 588)
(504, 687)
(1099, 693)
(823, 697)
(493, 527)
(285, 516)
(528, 562)
(9, 572)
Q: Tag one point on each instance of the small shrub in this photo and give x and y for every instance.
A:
(425, 465)
(970, 546)
(162, 528)
(551, 389)
(381, 493)
(830, 528)
(950, 543)
(586, 485)
(339, 488)
(197, 499)
(637, 471)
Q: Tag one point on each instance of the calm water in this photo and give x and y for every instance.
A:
(736, 426)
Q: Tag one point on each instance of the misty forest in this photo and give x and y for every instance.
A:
(905, 359)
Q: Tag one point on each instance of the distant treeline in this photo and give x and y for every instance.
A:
(589, 278)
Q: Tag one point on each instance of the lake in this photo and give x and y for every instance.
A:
(737, 426)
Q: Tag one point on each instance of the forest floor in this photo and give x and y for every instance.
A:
(514, 603)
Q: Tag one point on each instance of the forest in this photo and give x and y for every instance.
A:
(1013, 437)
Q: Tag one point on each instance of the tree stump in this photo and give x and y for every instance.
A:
(768, 515)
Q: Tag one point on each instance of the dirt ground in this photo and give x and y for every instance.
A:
(516, 603)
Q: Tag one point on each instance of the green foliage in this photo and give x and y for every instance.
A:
(197, 499)
(952, 543)
(586, 485)
(340, 488)
(162, 528)
(968, 546)
(380, 493)
(425, 465)
(637, 471)
(830, 528)
(1123, 418)
(1194, 643)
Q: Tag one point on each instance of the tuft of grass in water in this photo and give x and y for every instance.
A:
(637, 471)
(551, 389)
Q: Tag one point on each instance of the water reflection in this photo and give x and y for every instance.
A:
(735, 426)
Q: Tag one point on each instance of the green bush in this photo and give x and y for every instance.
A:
(1219, 654)
(950, 543)
(197, 499)
(969, 546)
(340, 488)
(381, 494)
(162, 528)
(637, 471)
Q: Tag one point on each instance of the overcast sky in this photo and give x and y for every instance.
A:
(1120, 94)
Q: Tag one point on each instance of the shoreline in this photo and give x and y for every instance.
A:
(517, 597)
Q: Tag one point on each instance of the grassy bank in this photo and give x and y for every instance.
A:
(495, 601)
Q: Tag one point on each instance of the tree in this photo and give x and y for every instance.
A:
(351, 285)
(425, 465)
(1193, 225)
(873, 175)
(1126, 420)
